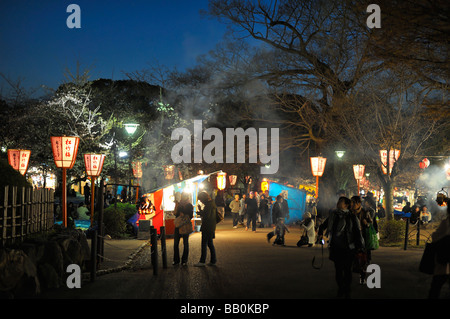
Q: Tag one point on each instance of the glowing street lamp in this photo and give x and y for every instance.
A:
(65, 150)
(19, 159)
(358, 172)
(340, 153)
(94, 165)
(130, 128)
(221, 180)
(317, 169)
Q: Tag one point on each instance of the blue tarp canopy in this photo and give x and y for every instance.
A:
(296, 200)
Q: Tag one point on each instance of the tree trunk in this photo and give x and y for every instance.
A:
(389, 198)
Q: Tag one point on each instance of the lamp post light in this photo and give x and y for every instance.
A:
(94, 165)
(358, 171)
(130, 128)
(317, 168)
(19, 160)
(64, 150)
(340, 153)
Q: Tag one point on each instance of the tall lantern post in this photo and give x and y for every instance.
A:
(94, 165)
(19, 160)
(137, 172)
(358, 172)
(65, 150)
(317, 169)
(130, 128)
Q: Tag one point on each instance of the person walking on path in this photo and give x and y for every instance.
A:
(186, 210)
(344, 233)
(280, 232)
(277, 210)
(441, 238)
(308, 225)
(365, 221)
(251, 206)
(220, 203)
(263, 211)
(208, 228)
(235, 206)
(242, 211)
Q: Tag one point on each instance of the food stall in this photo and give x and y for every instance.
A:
(296, 199)
(164, 199)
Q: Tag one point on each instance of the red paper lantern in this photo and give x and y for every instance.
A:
(19, 160)
(426, 161)
(422, 165)
(393, 157)
(264, 186)
(318, 165)
(137, 169)
(94, 164)
(65, 150)
(221, 180)
(317, 169)
(358, 171)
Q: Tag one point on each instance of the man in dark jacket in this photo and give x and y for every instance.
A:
(208, 228)
(345, 240)
(277, 210)
(251, 205)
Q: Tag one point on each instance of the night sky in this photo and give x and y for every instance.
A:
(115, 37)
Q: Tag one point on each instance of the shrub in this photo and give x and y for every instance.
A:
(391, 231)
(115, 219)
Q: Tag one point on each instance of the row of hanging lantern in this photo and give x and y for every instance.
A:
(318, 166)
(65, 149)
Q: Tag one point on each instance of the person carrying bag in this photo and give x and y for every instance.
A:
(183, 227)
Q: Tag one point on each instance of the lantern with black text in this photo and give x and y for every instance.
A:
(358, 171)
(94, 165)
(393, 157)
(233, 179)
(19, 160)
(65, 150)
(317, 169)
(221, 180)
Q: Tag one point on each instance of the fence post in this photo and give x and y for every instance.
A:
(406, 234)
(163, 246)
(101, 205)
(5, 215)
(418, 233)
(13, 213)
(93, 255)
(154, 249)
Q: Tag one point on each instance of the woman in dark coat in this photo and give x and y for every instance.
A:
(208, 228)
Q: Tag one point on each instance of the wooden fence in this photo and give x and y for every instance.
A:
(24, 211)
